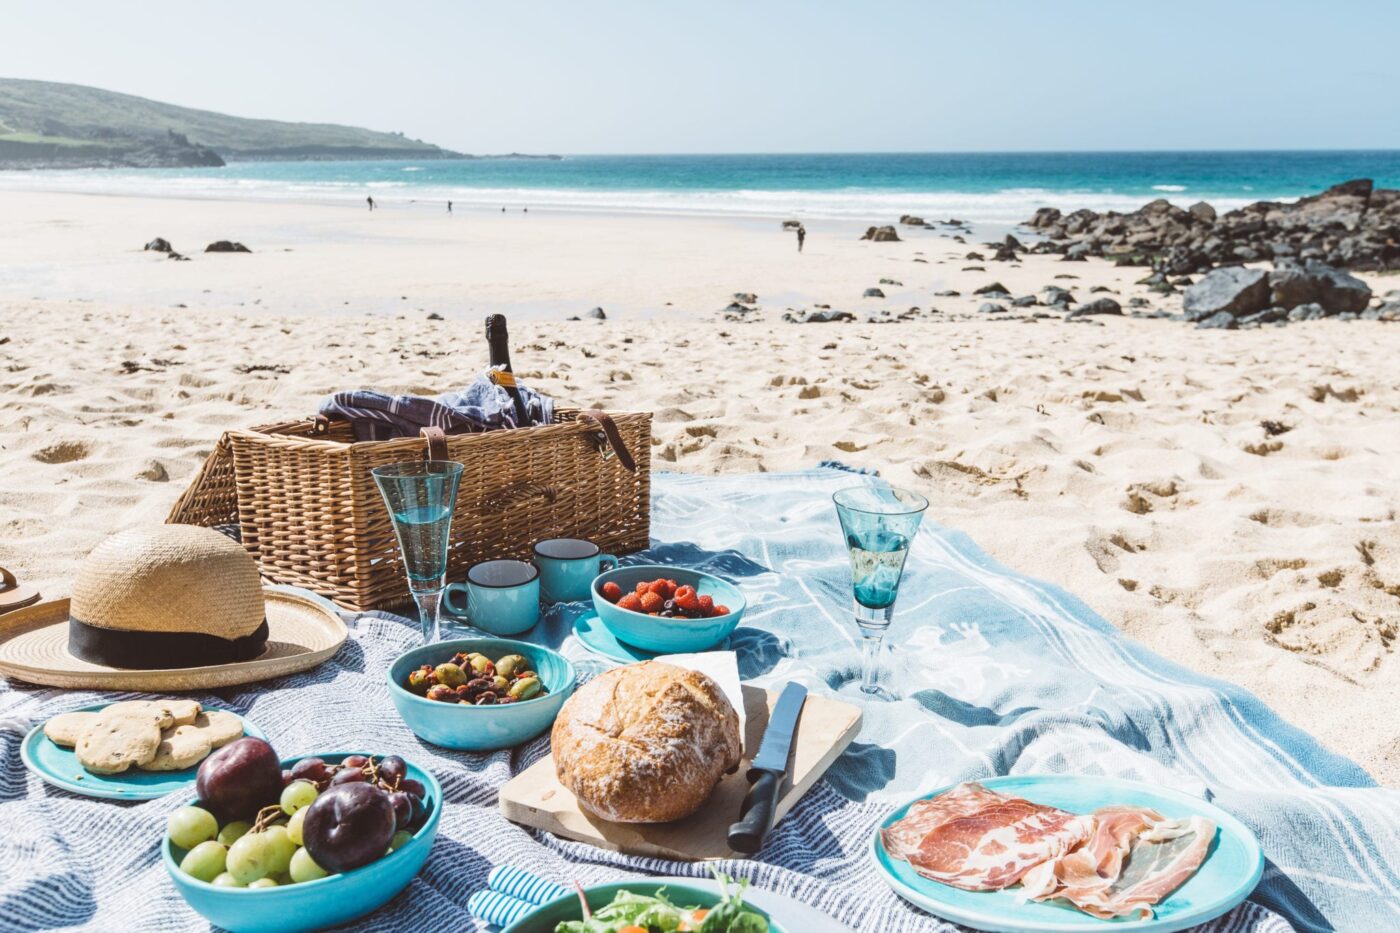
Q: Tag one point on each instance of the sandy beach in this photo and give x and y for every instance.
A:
(1124, 459)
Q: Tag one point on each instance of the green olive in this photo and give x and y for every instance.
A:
(526, 687)
(450, 674)
(481, 664)
(418, 682)
(500, 684)
(508, 665)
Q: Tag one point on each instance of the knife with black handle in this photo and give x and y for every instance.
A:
(768, 773)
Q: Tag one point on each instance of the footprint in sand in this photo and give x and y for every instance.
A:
(63, 452)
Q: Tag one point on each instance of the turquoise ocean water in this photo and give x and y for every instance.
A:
(980, 187)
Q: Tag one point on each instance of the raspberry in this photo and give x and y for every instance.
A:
(631, 602)
(651, 602)
(643, 587)
(706, 604)
(685, 598)
(721, 610)
(612, 592)
(660, 588)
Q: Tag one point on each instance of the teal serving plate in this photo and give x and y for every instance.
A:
(668, 636)
(481, 728)
(60, 767)
(313, 905)
(545, 918)
(1230, 872)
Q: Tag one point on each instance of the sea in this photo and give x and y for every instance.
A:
(984, 187)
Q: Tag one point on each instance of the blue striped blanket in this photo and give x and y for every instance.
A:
(1001, 674)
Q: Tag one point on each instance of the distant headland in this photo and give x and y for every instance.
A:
(47, 125)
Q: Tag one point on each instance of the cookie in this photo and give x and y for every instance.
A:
(220, 727)
(117, 740)
(180, 747)
(66, 728)
(160, 715)
(183, 712)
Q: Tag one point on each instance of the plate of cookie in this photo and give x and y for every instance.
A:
(130, 750)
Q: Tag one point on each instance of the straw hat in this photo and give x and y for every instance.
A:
(168, 607)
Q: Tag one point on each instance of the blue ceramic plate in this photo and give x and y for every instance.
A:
(59, 766)
(481, 728)
(311, 905)
(1225, 878)
(668, 636)
(597, 638)
(544, 919)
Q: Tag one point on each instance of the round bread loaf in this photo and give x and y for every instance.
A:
(646, 743)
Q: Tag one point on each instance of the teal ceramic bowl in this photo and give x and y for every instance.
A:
(544, 919)
(481, 728)
(312, 905)
(668, 636)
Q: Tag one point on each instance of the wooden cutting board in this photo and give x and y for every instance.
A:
(536, 798)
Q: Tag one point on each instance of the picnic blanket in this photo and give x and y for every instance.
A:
(1000, 674)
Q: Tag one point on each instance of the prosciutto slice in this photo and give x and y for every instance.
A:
(1158, 860)
(980, 840)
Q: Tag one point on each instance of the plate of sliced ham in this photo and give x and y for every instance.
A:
(1067, 853)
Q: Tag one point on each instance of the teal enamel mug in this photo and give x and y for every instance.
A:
(567, 568)
(501, 596)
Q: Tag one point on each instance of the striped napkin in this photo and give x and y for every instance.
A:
(510, 894)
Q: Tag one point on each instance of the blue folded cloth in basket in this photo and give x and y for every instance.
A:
(481, 406)
(1000, 673)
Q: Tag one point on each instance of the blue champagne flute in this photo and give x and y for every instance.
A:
(421, 496)
(879, 523)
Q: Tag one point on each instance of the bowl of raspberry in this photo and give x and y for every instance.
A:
(670, 610)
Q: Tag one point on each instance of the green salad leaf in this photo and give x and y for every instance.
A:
(656, 914)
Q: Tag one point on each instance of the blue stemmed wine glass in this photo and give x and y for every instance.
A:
(879, 523)
(421, 496)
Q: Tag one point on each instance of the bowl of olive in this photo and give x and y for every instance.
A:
(479, 694)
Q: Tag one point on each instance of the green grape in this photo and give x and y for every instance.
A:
(262, 883)
(304, 867)
(189, 826)
(225, 880)
(232, 832)
(400, 839)
(250, 858)
(294, 826)
(280, 848)
(297, 795)
(205, 861)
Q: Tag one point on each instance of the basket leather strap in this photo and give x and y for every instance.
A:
(437, 443)
(613, 435)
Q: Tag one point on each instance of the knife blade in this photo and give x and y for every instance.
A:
(768, 772)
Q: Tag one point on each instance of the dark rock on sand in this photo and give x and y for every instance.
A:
(891, 282)
(1025, 301)
(995, 290)
(1097, 306)
(947, 293)
(1234, 290)
(1221, 320)
(159, 245)
(1055, 295)
(747, 298)
(226, 246)
(597, 314)
(434, 316)
(818, 317)
(873, 293)
(1308, 312)
(881, 234)
(791, 224)
(909, 220)
(991, 307)
(975, 256)
(1339, 292)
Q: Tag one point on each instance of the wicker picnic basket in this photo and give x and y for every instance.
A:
(302, 500)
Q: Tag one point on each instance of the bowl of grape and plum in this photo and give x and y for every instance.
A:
(337, 898)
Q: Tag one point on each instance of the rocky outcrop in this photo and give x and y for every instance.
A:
(1352, 225)
(1292, 292)
(159, 245)
(1236, 291)
(881, 234)
(226, 246)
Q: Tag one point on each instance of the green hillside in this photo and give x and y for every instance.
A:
(45, 124)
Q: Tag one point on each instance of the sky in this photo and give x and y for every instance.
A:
(761, 76)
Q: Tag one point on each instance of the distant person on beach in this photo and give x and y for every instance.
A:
(801, 235)
(370, 199)
(449, 207)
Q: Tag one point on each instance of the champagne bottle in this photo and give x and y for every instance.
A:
(498, 344)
